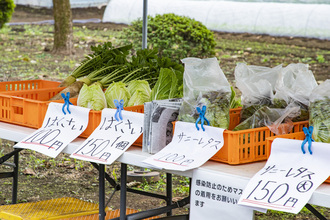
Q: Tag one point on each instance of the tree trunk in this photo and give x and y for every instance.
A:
(63, 34)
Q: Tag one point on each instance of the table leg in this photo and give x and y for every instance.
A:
(315, 212)
(101, 192)
(15, 178)
(14, 173)
(169, 191)
(123, 191)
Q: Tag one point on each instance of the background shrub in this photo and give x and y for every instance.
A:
(6, 10)
(175, 36)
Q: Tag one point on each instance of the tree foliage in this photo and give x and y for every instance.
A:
(6, 11)
(175, 36)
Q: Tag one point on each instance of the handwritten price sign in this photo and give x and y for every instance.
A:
(57, 131)
(111, 138)
(189, 148)
(289, 177)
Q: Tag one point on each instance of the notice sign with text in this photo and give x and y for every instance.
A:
(111, 138)
(215, 196)
(190, 148)
(289, 177)
(57, 131)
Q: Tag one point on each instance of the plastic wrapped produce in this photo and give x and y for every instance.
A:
(319, 115)
(205, 84)
(278, 120)
(294, 85)
(257, 84)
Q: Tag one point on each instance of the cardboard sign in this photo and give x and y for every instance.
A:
(111, 138)
(215, 196)
(289, 177)
(57, 131)
(189, 148)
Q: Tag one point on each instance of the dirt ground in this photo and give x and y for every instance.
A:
(43, 178)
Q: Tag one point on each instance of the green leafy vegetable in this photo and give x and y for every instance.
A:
(320, 119)
(234, 103)
(92, 97)
(257, 119)
(142, 85)
(103, 56)
(166, 86)
(117, 90)
(138, 98)
(278, 120)
(249, 109)
(217, 109)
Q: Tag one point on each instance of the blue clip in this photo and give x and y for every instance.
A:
(66, 102)
(201, 117)
(119, 106)
(309, 139)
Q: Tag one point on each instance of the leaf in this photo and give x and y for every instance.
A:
(166, 85)
(29, 171)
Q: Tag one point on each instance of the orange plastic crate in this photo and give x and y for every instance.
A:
(27, 85)
(297, 136)
(28, 108)
(248, 145)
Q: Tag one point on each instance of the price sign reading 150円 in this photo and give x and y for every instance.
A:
(289, 177)
(111, 138)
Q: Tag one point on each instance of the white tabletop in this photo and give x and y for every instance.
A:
(134, 156)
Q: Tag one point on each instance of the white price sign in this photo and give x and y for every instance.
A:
(214, 195)
(289, 177)
(189, 148)
(58, 130)
(111, 138)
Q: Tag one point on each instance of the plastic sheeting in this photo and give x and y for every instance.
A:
(278, 1)
(278, 19)
(74, 3)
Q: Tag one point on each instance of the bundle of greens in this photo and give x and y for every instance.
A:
(145, 65)
(106, 61)
(101, 57)
(320, 112)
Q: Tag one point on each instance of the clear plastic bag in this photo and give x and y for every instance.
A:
(257, 84)
(278, 120)
(319, 112)
(204, 83)
(294, 85)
